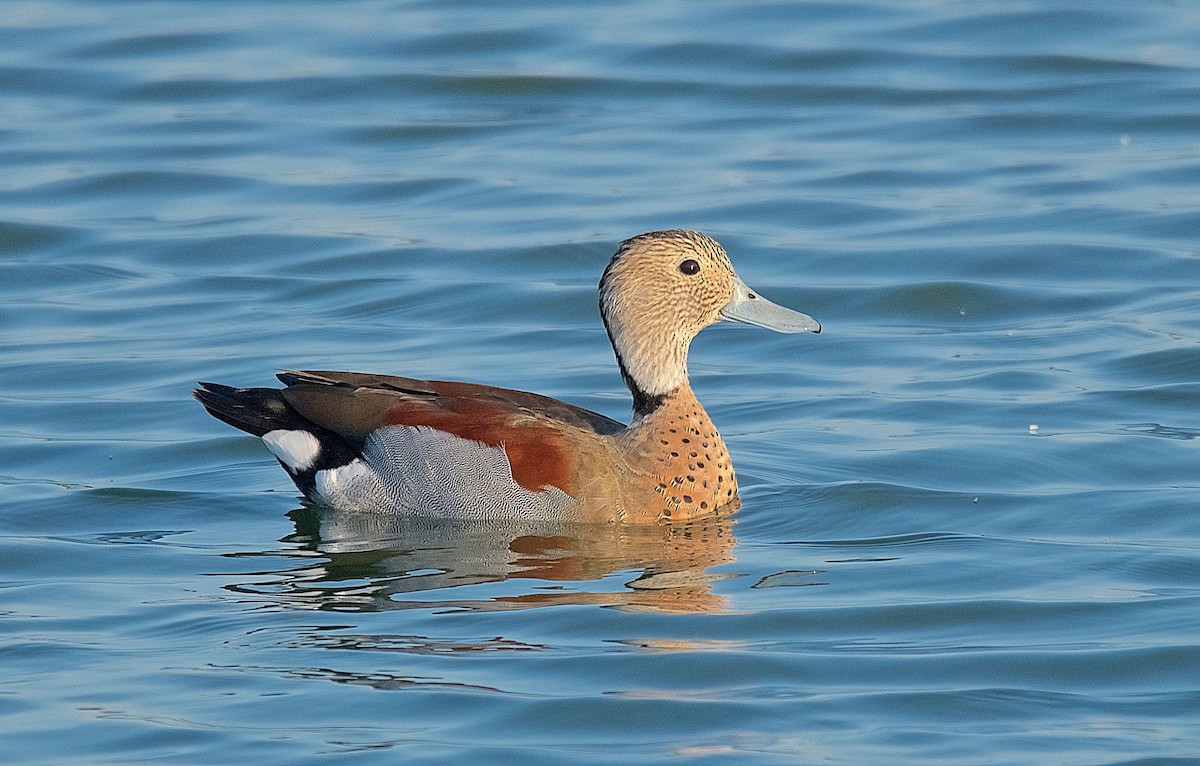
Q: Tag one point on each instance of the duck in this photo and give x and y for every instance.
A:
(366, 443)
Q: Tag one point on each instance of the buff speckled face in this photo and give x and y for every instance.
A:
(662, 288)
(678, 280)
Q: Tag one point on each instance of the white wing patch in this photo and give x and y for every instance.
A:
(422, 471)
(298, 450)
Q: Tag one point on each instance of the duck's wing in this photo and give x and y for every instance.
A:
(324, 423)
(354, 404)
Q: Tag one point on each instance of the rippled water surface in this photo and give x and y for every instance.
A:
(992, 207)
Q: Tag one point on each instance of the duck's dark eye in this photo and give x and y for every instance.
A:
(689, 267)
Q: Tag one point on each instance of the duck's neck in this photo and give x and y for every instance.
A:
(653, 368)
(649, 338)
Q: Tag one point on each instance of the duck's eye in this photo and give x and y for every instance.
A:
(689, 267)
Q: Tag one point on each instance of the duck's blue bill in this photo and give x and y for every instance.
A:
(748, 307)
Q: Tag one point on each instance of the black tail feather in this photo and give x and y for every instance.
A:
(253, 410)
(259, 411)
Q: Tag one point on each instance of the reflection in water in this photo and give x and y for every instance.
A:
(360, 562)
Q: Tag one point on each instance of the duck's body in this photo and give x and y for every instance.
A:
(461, 450)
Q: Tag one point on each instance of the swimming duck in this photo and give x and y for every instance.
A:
(380, 443)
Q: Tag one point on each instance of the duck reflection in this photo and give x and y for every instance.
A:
(373, 562)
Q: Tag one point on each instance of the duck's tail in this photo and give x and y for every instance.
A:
(302, 447)
(256, 411)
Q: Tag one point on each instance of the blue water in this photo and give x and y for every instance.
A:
(992, 207)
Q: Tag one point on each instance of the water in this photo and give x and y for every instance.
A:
(991, 207)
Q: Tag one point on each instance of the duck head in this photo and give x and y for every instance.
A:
(659, 291)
